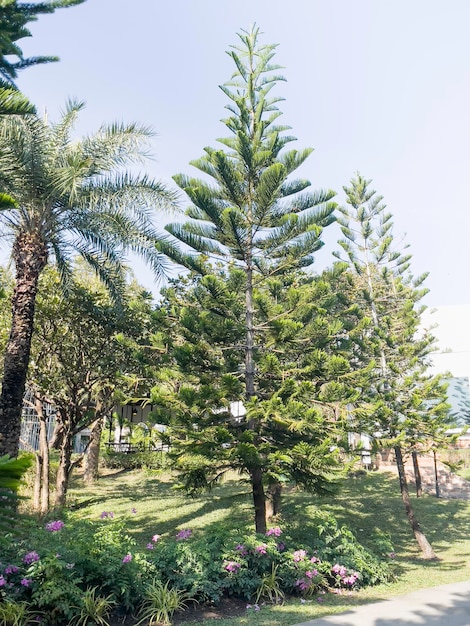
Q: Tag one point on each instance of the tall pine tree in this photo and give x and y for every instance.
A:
(401, 401)
(252, 215)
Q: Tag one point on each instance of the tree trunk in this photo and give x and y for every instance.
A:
(44, 451)
(30, 257)
(259, 500)
(426, 548)
(90, 472)
(249, 359)
(37, 483)
(418, 481)
(41, 480)
(436, 476)
(273, 501)
(259, 496)
(63, 472)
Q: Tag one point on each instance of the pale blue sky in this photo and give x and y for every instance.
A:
(376, 86)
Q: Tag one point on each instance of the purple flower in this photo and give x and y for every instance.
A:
(303, 584)
(127, 558)
(274, 532)
(299, 555)
(261, 549)
(184, 534)
(31, 557)
(53, 527)
(281, 546)
(106, 514)
(155, 538)
(320, 600)
(241, 549)
(11, 569)
(392, 555)
(232, 566)
(3, 582)
(150, 546)
(26, 582)
(133, 510)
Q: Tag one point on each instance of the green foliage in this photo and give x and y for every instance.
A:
(55, 589)
(16, 614)
(94, 609)
(148, 460)
(160, 603)
(14, 17)
(12, 472)
(270, 587)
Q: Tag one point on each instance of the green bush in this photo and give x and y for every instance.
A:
(149, 460)
(54, 564)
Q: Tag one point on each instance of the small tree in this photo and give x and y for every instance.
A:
(253, 216)
(79, 359)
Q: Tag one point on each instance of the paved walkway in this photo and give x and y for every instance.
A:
(447, 605)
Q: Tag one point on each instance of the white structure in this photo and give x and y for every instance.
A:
(451, 326)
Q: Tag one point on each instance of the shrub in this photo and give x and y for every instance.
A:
(149, 460)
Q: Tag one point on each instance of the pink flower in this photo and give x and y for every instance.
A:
(261, 549)
(127, 558)
(3, 582)
(133, 510)
(311, 573)
(299, 555)
(184, 534)
(274, 532)
(53, 527)
(339, 569)
(242, 549)
(314, 560)
(155, 538)
(232, 566)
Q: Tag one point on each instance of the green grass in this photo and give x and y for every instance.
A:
(368, 505)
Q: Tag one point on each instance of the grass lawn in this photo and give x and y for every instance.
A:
(368, 505)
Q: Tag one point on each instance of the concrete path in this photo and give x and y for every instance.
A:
(447, 605)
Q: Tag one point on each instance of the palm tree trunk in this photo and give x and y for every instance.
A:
(30, 257)
(426, 548)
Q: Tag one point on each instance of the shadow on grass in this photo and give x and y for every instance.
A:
(372, 504)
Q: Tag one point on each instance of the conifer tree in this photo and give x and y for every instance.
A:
(253, 215)
(402, 401)
(292, 428)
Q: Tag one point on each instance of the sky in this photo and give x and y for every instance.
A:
(380, 87)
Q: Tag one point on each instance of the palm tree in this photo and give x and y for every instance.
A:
(70, 197)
